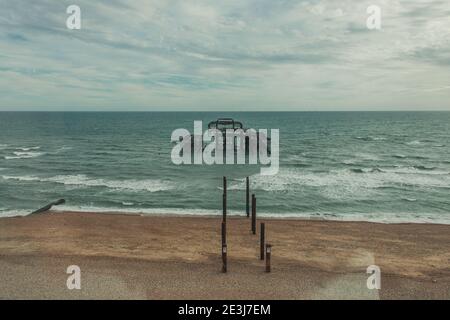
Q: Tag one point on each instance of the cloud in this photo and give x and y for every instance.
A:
(255, 54)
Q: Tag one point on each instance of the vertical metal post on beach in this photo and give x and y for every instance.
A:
(224, 233)
(268, 254)
(224, 148)
(225, 186)
(224, 210)
(253, 214)
(247, 197)
(262, 239)
(224, 258)
(224, 200)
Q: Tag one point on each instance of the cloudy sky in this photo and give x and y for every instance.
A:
(224, 55)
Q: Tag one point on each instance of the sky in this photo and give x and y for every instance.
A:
(245, 55)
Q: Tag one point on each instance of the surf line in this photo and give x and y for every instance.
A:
(235, 145)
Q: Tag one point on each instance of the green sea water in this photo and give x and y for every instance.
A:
(371, 166)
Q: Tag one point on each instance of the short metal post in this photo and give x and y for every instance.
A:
(225, 186)
(247, 197)
(224, 258)
(253, 214)
(262, 240)
(224, 233)
(224, 208)
(268, 253)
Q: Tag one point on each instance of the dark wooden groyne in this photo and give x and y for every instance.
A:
(49, 206)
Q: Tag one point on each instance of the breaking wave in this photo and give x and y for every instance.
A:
(371, 138)
(348, 182)
(24, 155)
(380, 217)
(28, 148)
(150, 185)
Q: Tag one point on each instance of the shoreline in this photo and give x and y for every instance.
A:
(265, 216)
(325, 259)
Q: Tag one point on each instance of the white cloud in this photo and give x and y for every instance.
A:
(225, 54)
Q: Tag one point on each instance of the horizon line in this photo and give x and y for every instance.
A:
(212, 111)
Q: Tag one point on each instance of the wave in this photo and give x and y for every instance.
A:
(348, 162)
(63, 148)
(367, 156)
(150, 185)
(28, 148)
(365, 170)
(13, 213)
(24, 155)
(346, 183)
(417, 157)
(419, 169)
(424, 142)
(155, 211)
(3, 146)
(371, 138)
(402, 170)
(414, 143)
(424, 168)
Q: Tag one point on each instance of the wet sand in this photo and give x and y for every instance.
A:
(154, 257)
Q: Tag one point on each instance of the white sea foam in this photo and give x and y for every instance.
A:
(420, 170)
(380, 217)
(150, 185)
(24, 155)
(371, 138)
(367, 156)
(13, 213)
(62, 149)
(143, 211)
(28, 148)
(414, 143)
(345, 183)
(349, 161)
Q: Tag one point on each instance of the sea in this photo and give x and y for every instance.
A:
(385, 167)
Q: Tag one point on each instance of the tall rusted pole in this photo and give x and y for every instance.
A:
(262, 240)
(253, 214)
(247, 197)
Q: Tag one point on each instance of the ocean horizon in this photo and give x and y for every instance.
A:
(350, 165)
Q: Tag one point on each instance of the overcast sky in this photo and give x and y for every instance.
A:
(224, 55)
